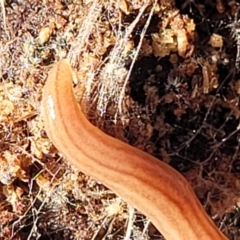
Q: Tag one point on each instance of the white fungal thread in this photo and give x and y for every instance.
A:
(235, 34)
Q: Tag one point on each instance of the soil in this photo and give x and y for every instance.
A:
(161, 75)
